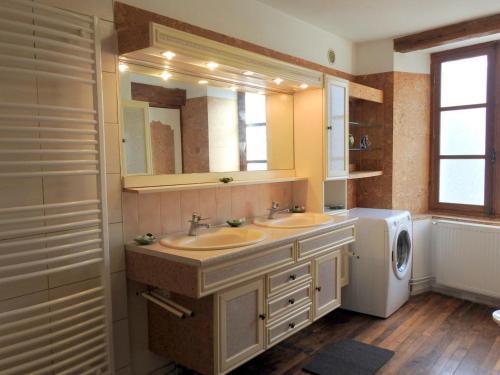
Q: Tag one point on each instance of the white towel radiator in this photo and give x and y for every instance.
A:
(54, 262)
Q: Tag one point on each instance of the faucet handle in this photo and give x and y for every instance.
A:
(275, 205)
(195, 217)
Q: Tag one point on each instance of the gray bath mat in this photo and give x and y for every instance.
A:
(348, 357)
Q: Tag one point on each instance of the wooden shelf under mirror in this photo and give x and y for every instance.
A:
(208, 185)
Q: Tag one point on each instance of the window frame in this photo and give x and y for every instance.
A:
(491, 50)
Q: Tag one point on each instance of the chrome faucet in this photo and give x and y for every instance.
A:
(195, 224)
(275, 208)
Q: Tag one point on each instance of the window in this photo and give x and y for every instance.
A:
(463, 116)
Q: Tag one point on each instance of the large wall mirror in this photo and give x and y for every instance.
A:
(176, 124)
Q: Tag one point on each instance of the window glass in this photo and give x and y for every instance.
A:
(256, 143)
(461, 181)
(463, 132)
(464, 81)
(255, 108)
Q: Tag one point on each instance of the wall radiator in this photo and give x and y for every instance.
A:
(54, 268)
(466, 256)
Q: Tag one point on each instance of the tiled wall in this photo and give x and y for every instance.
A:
(169, 212)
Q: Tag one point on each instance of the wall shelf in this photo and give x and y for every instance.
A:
(208, 185)
(360, 124)
(364, 149)
(364, 174)
(358, 91)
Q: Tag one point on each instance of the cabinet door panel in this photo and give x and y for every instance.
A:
(336, 128)
(327, 283)
(241, 328)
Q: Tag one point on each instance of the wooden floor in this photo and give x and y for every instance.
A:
(431, 334)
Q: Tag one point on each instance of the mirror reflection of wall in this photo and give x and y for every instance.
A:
(173, 127)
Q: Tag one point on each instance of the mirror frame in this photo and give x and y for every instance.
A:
(163, 38)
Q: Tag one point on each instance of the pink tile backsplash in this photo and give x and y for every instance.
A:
(169, 212)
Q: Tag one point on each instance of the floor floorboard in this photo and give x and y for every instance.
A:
(431, 334)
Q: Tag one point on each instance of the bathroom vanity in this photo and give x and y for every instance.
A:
(244, 300)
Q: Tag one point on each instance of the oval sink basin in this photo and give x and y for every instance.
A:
(215, 239)
(290, 221)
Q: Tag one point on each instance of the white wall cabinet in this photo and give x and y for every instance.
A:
(241, 323)
(327, 272)
(337, 128)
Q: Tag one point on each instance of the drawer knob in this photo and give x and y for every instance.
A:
(318, 288)
(262, 316)
(291, 301)
(293, 276)
(291, 325)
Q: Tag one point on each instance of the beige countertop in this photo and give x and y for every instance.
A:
(202, 258)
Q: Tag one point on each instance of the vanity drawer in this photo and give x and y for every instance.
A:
(288, 301)
(214, 278)
(288, 278)
(313, 245)
(288, 325)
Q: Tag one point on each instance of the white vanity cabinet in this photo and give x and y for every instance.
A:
(241, 323)
(242, 304)
(327, 282)
(337, 128)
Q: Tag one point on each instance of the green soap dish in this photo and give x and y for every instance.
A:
(235, 222)
(298, 209)
(146, 239)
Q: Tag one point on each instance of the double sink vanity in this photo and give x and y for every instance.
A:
(227, 294)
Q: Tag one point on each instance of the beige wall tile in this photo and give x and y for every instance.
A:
(114, 186)
(223, 204)
(130, 216)
(69, 188)
(265, 198)
(238, 202)
(119, 295)
(149, 214)
(252, 199)
(109, 46)
(99, 8)
(110, 97)
(112, 145)
(121, 340)
(208, 205)
(170, 211)
(143, 361)
(190, 202)
(116, 248)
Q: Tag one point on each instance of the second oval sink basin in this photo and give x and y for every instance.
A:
(215, 239)
(290, 221)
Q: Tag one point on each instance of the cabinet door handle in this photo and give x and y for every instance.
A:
(291, 301)
(329, 127)
(262, 316)
(293, 277)
(291, 325)
(318, 288)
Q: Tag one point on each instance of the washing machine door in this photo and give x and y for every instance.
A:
(401, 252)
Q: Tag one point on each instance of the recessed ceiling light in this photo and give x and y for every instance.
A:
(212, 65)
(260, 92)
(277, 81)
(233, 88)
(169, 55)
(304, 86)
(165, 75)
(122, 67)
(202, 81)
(248, 73)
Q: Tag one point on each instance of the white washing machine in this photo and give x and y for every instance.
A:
(380, 267)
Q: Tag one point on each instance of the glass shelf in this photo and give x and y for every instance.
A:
(361, 124)
(365, 149)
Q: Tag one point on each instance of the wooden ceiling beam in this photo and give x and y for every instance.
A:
(448, 34)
